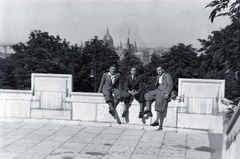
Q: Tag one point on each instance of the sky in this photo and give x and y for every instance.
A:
(151, 23)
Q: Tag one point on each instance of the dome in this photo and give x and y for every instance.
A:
(107, 39)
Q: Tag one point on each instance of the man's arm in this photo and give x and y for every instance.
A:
(140, 86)
(102, 83)
(119, 84)
(126, 84)
(169, 83)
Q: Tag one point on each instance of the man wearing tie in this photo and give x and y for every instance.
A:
(111, 88)
(133, 88)
(161, 95)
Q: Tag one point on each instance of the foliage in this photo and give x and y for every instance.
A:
(181, 62)
(130, 60)
(42, 53)
(223, 45)
(222, 8)
(222, 57)
(98, 58)
(6, 74)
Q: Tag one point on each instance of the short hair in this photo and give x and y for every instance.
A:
(160, 66)
(113, 66)
(134, 67)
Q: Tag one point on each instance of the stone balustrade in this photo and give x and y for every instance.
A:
(91, 107)
(231, 137)
(51, 97)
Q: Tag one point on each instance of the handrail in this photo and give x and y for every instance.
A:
(233, 119)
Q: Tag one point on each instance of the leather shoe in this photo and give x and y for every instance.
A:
(159, 129)
(154, 124)
(113, 112)
(124, 114)
(150, 114)
(140, 115)
(146, 111)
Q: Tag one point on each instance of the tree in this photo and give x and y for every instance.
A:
(181, 62)
(130, 60)
(96, 57)
(222, 51)
(7, 80)
(221, 8)
(42, 53)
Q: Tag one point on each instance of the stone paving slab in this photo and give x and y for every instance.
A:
(62, 140)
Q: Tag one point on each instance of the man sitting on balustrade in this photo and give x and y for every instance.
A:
(111, 88)
(161, 95)
(133, 88)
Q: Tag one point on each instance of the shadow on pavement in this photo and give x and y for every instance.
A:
(216, 141)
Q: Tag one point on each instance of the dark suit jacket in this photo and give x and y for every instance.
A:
(106, 83)
(167, 83)
(131, 85)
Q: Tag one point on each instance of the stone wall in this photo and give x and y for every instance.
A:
(51, 97)
(91, 107)
(15, 103)
(202, 96)
(231, 137)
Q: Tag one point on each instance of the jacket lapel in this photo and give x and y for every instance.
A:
(116, 78)
(163, 79)
(156, 83)
(134, 82)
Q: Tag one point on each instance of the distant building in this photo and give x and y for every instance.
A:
(108, 40)
(120, 51)
(143, 54)
(5, 51)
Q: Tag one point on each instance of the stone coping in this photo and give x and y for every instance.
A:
(15, 91)
(234, 118)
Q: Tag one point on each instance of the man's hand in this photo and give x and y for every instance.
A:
(135, 92)
(131, 92)
(166, 95)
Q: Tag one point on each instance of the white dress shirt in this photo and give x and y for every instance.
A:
(160, 79)
(112, 77)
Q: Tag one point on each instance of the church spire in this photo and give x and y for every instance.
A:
(107, 31)
(136, 46)
(128, 42)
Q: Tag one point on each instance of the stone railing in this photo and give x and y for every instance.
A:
(15, 103)
(91, 107)
(51, 97)
(231, 137)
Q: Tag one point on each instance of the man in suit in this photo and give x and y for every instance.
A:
(111, 88)
(161, 95)
(133, 88)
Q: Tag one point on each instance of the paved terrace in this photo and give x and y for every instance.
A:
(48, 139)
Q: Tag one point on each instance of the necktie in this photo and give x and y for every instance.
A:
(134, 78)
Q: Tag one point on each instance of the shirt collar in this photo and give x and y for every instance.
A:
(110, 74)
(161, 75)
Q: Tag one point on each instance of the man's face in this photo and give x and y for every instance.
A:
(133, 71)
(112, 70)
(160, 71)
